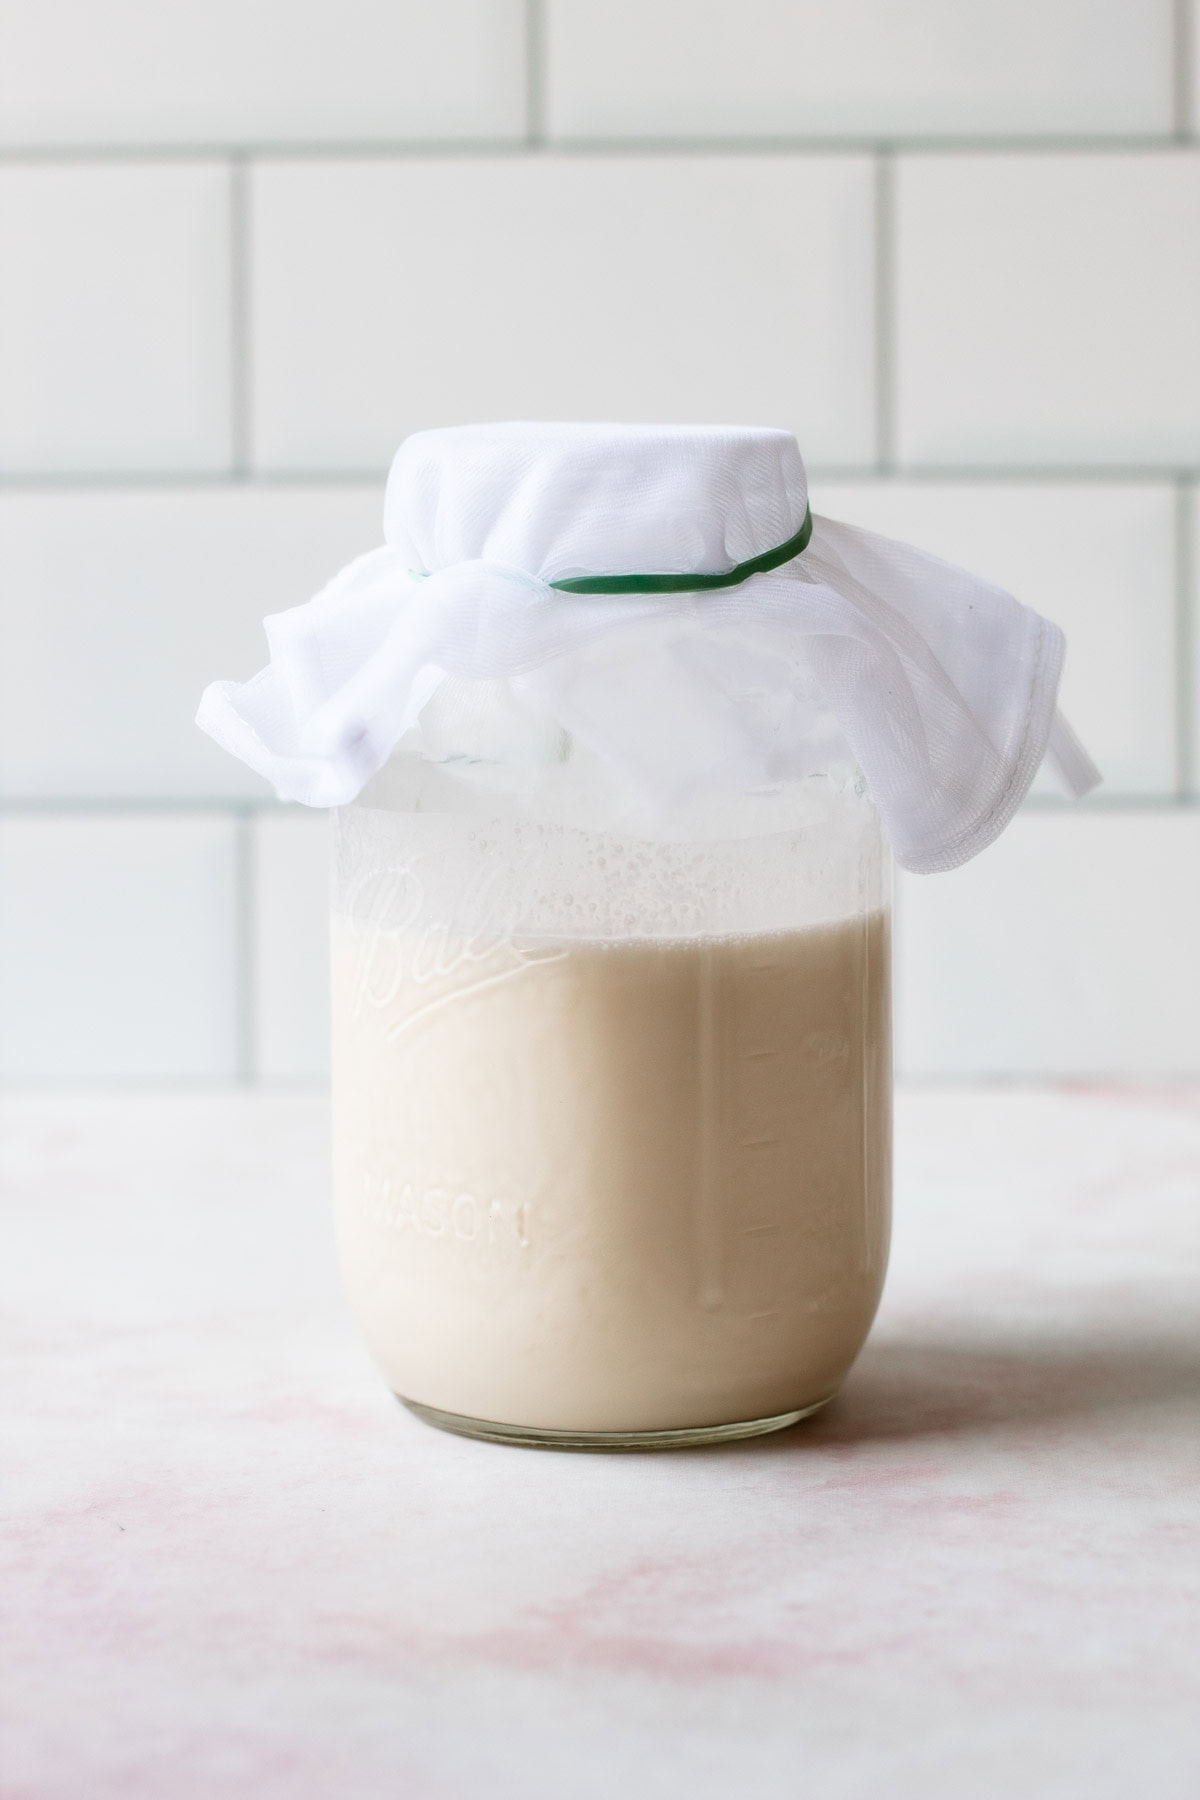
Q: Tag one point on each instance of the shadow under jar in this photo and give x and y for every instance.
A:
(612, 1118)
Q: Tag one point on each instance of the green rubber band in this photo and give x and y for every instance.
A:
(690, 584)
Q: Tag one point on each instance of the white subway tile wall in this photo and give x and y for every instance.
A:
(289, 1020)
(160, 589)
(1189, 673)
(115, 329)
(1070, 949)
(1046, 309)
(118, 947)
(248, 246)
(253, 72)
(858, 68)
(634, 287)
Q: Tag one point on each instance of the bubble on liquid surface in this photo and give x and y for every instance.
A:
(520, 878)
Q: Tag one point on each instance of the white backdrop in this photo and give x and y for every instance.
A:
(955, 247)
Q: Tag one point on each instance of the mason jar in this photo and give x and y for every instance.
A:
(612, 1116)
(616, 728)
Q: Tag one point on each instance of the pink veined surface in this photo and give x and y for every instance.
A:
(234, 1567)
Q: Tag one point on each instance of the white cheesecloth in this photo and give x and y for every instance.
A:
(943, 687)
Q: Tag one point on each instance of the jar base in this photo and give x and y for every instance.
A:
(538, 1437)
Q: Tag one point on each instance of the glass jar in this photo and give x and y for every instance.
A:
(612, 1116)
(608, 716)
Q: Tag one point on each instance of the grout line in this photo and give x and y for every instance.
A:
(1102, 802)
(885, 312)
(239, 326)
(1181, 33)
(402, 149)
(244, 972)
(1186, 642)
(148, 806)
(244, 813)
(535, 74)
(204, 481)
(298, 150)
(1092, 474)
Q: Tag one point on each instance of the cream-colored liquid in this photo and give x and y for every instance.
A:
(613, 1187)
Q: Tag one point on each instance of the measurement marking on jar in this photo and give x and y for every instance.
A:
(708, 1181)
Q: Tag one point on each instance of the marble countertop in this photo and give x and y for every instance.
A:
(233, 1566)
